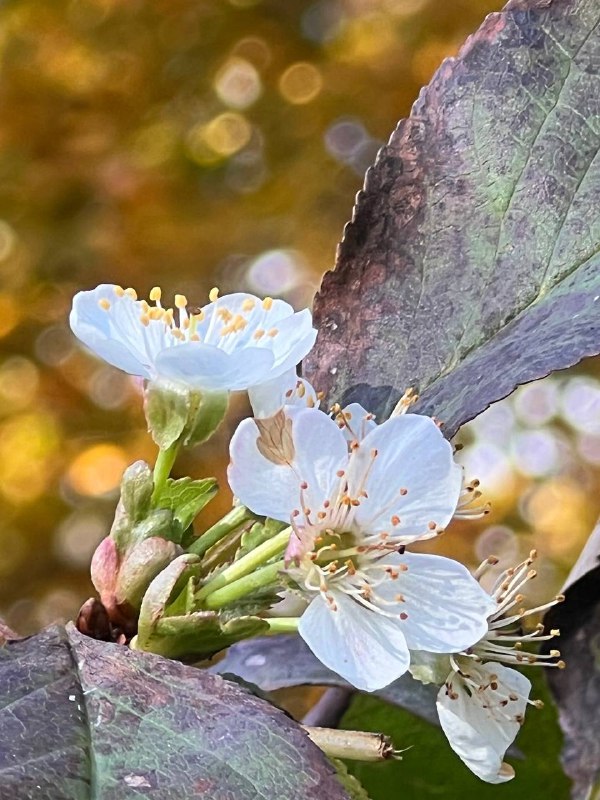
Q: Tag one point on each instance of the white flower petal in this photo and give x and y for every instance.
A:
(207, 367)
(412, 454)
(359, 422)
(288, 389)
(478, 726)
(366, 649)
(241, 342)
(294, 340)
(273, 489)
(446, 609)
(275, 328)
(115, 333)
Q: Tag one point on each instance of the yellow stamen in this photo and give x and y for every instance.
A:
(104, 303)
(273, 332)
(155, 294)
(259, 333)
(145, 320)
(131, 293)
(213, 294)
(224, 314)
(248, 304)
(180, 300)
(267, 303)
(119, 291)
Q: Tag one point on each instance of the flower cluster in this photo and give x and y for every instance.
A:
(328, 506)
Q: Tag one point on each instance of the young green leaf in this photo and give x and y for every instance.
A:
(186, 498)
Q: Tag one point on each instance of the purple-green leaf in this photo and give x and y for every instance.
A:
(83, 720)
(471, 263)
(278, 662)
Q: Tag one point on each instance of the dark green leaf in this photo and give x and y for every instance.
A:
(186, 498)
(472, 262)
(577, 688)
(83, 720)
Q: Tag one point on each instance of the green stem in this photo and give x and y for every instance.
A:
(243, 586)
(162, 468)
(230, 523)
(283, 624)
(247, 564)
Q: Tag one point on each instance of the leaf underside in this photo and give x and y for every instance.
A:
(471, 262)
(278, 662)
(82, 719)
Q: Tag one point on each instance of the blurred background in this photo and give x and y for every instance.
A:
(191, 144)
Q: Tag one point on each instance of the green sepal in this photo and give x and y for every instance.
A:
(260, 532)
(175, 413)
(185, 498)
(206, 412)
(189, 636)
(159, 522)
(166, 408)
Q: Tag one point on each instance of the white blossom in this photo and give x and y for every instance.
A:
(352, 511)
(482, 701)
(234, 342)
(287, 389)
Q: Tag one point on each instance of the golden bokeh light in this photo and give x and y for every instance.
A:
(28, 454)
(97, 470)
(238, 84)
(300, 83)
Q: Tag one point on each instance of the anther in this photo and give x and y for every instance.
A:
(403, 615)
(403, 492)
(273, 332)
(248, 304)
(267, 303)
(131, 293)
(259, 333)
(395, 520)
(119, 291)
(104, 303)
(155, 294)
(213, 294)
(180, 300)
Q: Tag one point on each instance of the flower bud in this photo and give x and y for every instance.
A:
(140, 566)
(137, 486)
(105, 573)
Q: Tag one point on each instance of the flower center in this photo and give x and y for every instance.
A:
(183, 324)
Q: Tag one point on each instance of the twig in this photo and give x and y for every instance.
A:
(330, 708)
